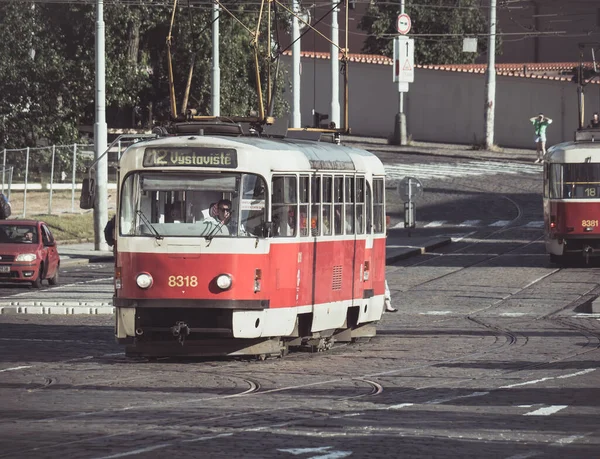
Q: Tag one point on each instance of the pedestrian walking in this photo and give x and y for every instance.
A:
(540, 124)
(388, 299)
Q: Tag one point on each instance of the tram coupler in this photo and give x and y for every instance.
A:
(180, 331)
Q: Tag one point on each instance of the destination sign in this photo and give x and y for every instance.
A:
(187, 156)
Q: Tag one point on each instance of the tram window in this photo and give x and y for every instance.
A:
(369, 208)
(581, 181)
(378, 205)
(284, 210)
(315, 221)
(582, 173)
(360, 205)
(546, 180)
(315, 189)
(304, 200)
(556, 184)
(315, 209)
(338, 203)
(252, 208)
(186, 204)
(327, 204)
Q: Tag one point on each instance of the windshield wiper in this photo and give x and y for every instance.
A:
(148, 224)
(209, 237)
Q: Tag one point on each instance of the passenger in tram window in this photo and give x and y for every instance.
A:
(540, 123)
(290, 229)
(388, 299)
(303, 224)
(287, 227)
(595, 121)
(314, 221)
(211, 211)
(223, 216)
(174, 215)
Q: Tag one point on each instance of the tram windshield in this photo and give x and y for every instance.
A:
(193, 204)
(574, 181)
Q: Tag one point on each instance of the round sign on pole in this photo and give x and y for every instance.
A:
(403, 23)
(410, 189)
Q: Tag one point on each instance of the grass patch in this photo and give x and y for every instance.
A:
(70, 227)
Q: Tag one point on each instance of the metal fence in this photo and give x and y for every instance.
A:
(47, 180)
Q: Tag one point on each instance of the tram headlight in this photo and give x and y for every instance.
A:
(144, 280)
(224, 281)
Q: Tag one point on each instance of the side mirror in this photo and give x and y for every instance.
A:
(88, 191)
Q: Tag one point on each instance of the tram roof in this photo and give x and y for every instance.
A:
(271, 153)
(574, 152)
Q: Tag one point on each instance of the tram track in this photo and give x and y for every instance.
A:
(262, 419)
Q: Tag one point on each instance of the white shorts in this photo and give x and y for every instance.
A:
(540, 138)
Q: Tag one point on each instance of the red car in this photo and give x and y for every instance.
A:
(28, 252)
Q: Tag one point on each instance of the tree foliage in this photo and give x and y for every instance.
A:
(47, 76)
(439, 27)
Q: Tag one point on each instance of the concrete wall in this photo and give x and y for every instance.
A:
(444, 106)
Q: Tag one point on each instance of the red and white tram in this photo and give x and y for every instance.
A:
(301, 258)
(572, 198)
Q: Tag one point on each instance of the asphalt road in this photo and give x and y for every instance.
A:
(493, 353)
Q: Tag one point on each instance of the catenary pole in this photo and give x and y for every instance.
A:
(296, 118)
(335, 66)
(401, 117)
(490, 86)
(100, 134)
(216, 69)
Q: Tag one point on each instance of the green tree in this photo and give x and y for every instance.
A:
(47, 77)
(442, 23)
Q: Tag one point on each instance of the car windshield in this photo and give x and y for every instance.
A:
(11, 234)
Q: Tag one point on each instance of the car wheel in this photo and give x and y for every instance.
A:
(37, 283)
(54, 280)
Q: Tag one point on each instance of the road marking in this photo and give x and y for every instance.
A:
(569, 440)
(546, 411)
(435, 224)
(500, 223)
(525, 455)
(579, 373)
(400, 406)
(435, 313)
(15, 368)
(449, 399)
(163, 445)
(137, 451)
(462, 236)
(538, 224)
(470, 223)
(323, 449)
(550, 378)
(298, 451)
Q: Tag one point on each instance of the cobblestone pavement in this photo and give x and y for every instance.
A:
(494, 352)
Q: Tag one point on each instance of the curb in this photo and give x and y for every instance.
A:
(411, 251)
(68, 261)
(57, 310)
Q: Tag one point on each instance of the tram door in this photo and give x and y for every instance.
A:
(364, 242)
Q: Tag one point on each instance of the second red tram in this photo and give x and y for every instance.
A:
(229, 245)
(572, 198)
